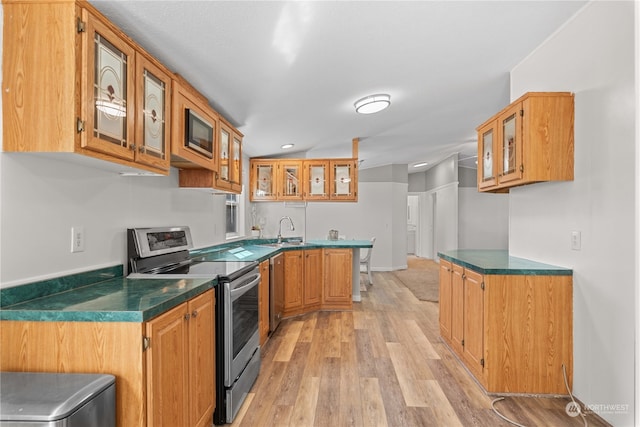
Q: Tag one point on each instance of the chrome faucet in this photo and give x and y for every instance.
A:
(280, 227)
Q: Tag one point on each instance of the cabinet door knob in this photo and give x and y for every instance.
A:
(187, 316)
(194, 313)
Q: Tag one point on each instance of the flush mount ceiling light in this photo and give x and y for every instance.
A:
(418, 165)
(285, 146)
(372, 103)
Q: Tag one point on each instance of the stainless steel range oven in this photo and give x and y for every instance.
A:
(164, 253)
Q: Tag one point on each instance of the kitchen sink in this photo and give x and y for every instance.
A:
(283, 244)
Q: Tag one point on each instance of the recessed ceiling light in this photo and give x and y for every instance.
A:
(418, 165)
(285, 146)
(372, 103)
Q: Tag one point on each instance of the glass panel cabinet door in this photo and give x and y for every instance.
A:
(343, 184)
(487, 156)
(487, 164)
(262, 181)
(152, 115)
(108, 122)
(316, 180)
(510, 145)
(236, 176)
(225, 137)
(291, 180)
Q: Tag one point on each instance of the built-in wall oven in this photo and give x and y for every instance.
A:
(163, 253)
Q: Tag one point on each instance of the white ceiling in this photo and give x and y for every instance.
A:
(289, 72)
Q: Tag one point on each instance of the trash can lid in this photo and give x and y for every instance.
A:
(38, 396)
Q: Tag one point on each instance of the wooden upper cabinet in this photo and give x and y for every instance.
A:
(236, 161)
(108, 90)
(344, 180)
(229, 175)
(153, 113)
(304, 179)
(316, 179)
(72, 84)
(228, 178)
(262, 180)
(529, 141)
(195, 127)
(487, 164)
(289, 184)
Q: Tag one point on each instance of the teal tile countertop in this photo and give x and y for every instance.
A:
(487, 261)
(105, 295)
(263, 249)
(114, 300)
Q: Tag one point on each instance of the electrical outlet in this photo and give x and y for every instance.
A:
(576, 240)
(77, 239)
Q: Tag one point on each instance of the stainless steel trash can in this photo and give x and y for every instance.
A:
(29, 399)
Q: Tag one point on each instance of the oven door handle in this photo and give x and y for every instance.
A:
(235, 293)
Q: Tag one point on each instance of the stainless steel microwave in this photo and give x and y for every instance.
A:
(198, 134)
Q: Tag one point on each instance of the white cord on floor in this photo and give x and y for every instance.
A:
(566, 384)
(502, 416)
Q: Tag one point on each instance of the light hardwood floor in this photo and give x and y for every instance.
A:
(382, 364)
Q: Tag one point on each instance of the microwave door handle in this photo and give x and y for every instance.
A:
(242, 289)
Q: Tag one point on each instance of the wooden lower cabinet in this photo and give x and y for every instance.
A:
(317, 279)
(263, 302)
(180, 360)
(312, 290)
(513, 332)
(293, 282)
(178, 363)
(337, 281)
(445, 300)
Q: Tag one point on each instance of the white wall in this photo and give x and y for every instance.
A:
(592, 56)
(381, 211)
(483, 219)
(42, 198)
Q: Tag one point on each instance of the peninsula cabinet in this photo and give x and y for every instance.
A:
(74, 83)
(531, 140)
(302, 281)
(337, 286)
(164, 367)
(317, 279)
(512, 330)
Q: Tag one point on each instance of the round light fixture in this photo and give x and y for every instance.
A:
(372, 103)
(285, 146)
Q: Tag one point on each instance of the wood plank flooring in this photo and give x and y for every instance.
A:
(382, 364)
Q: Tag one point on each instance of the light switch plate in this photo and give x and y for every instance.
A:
(576, 240)
(77, 239)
